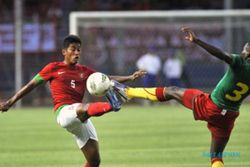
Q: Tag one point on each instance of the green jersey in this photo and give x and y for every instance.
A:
(233, 88)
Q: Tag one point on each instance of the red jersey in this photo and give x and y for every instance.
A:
(67, 84)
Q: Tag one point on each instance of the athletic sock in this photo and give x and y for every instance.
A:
(98, 108)
(218, 164)
(152, 94)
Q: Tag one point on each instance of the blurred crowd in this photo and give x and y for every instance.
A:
(57, 11)
(54, 8)
(109, 49)
(47, 9)
(128, 44)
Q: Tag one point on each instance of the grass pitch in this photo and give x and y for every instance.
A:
(136, 136)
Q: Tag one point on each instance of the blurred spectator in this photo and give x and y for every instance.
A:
(172, 70)
(151, 63)
(6, 11)
(179, 54)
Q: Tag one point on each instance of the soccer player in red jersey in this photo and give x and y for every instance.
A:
(220, 108)
(68, 83)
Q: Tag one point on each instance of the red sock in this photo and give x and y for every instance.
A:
(99, 108)
(216, 159)
(87, 165)
(159, 92)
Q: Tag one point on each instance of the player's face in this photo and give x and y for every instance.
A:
(246, 51)
(72, 53)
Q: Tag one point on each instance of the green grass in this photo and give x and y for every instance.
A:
(157, 136)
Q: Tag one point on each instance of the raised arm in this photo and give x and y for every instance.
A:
(22, 92)
(190, 36)
(135, 75)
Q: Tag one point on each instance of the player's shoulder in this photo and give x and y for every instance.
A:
(84, 67)
(54, 65)
(238, 61)
(236, 58)
(234, 55)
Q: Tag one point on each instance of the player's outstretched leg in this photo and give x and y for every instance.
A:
(152, 94)
(126, 93)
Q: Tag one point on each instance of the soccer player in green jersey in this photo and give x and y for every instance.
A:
(220, 108)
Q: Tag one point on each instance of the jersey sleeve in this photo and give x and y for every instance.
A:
(39, 79)
(237, 61)
(45, 74)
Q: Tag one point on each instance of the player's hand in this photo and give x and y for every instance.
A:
(4, 106)
(189, 34)
(138, 74)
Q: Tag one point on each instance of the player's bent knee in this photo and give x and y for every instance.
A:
(81, 112)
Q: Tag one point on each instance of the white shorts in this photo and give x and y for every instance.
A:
(67, 118)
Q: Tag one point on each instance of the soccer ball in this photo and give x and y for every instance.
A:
(98, 84)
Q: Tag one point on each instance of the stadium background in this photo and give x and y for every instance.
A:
(47, 22)
(158, 136)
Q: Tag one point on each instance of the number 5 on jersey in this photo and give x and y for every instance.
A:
(73, 83)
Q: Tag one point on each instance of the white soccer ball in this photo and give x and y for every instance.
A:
(98, 84)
